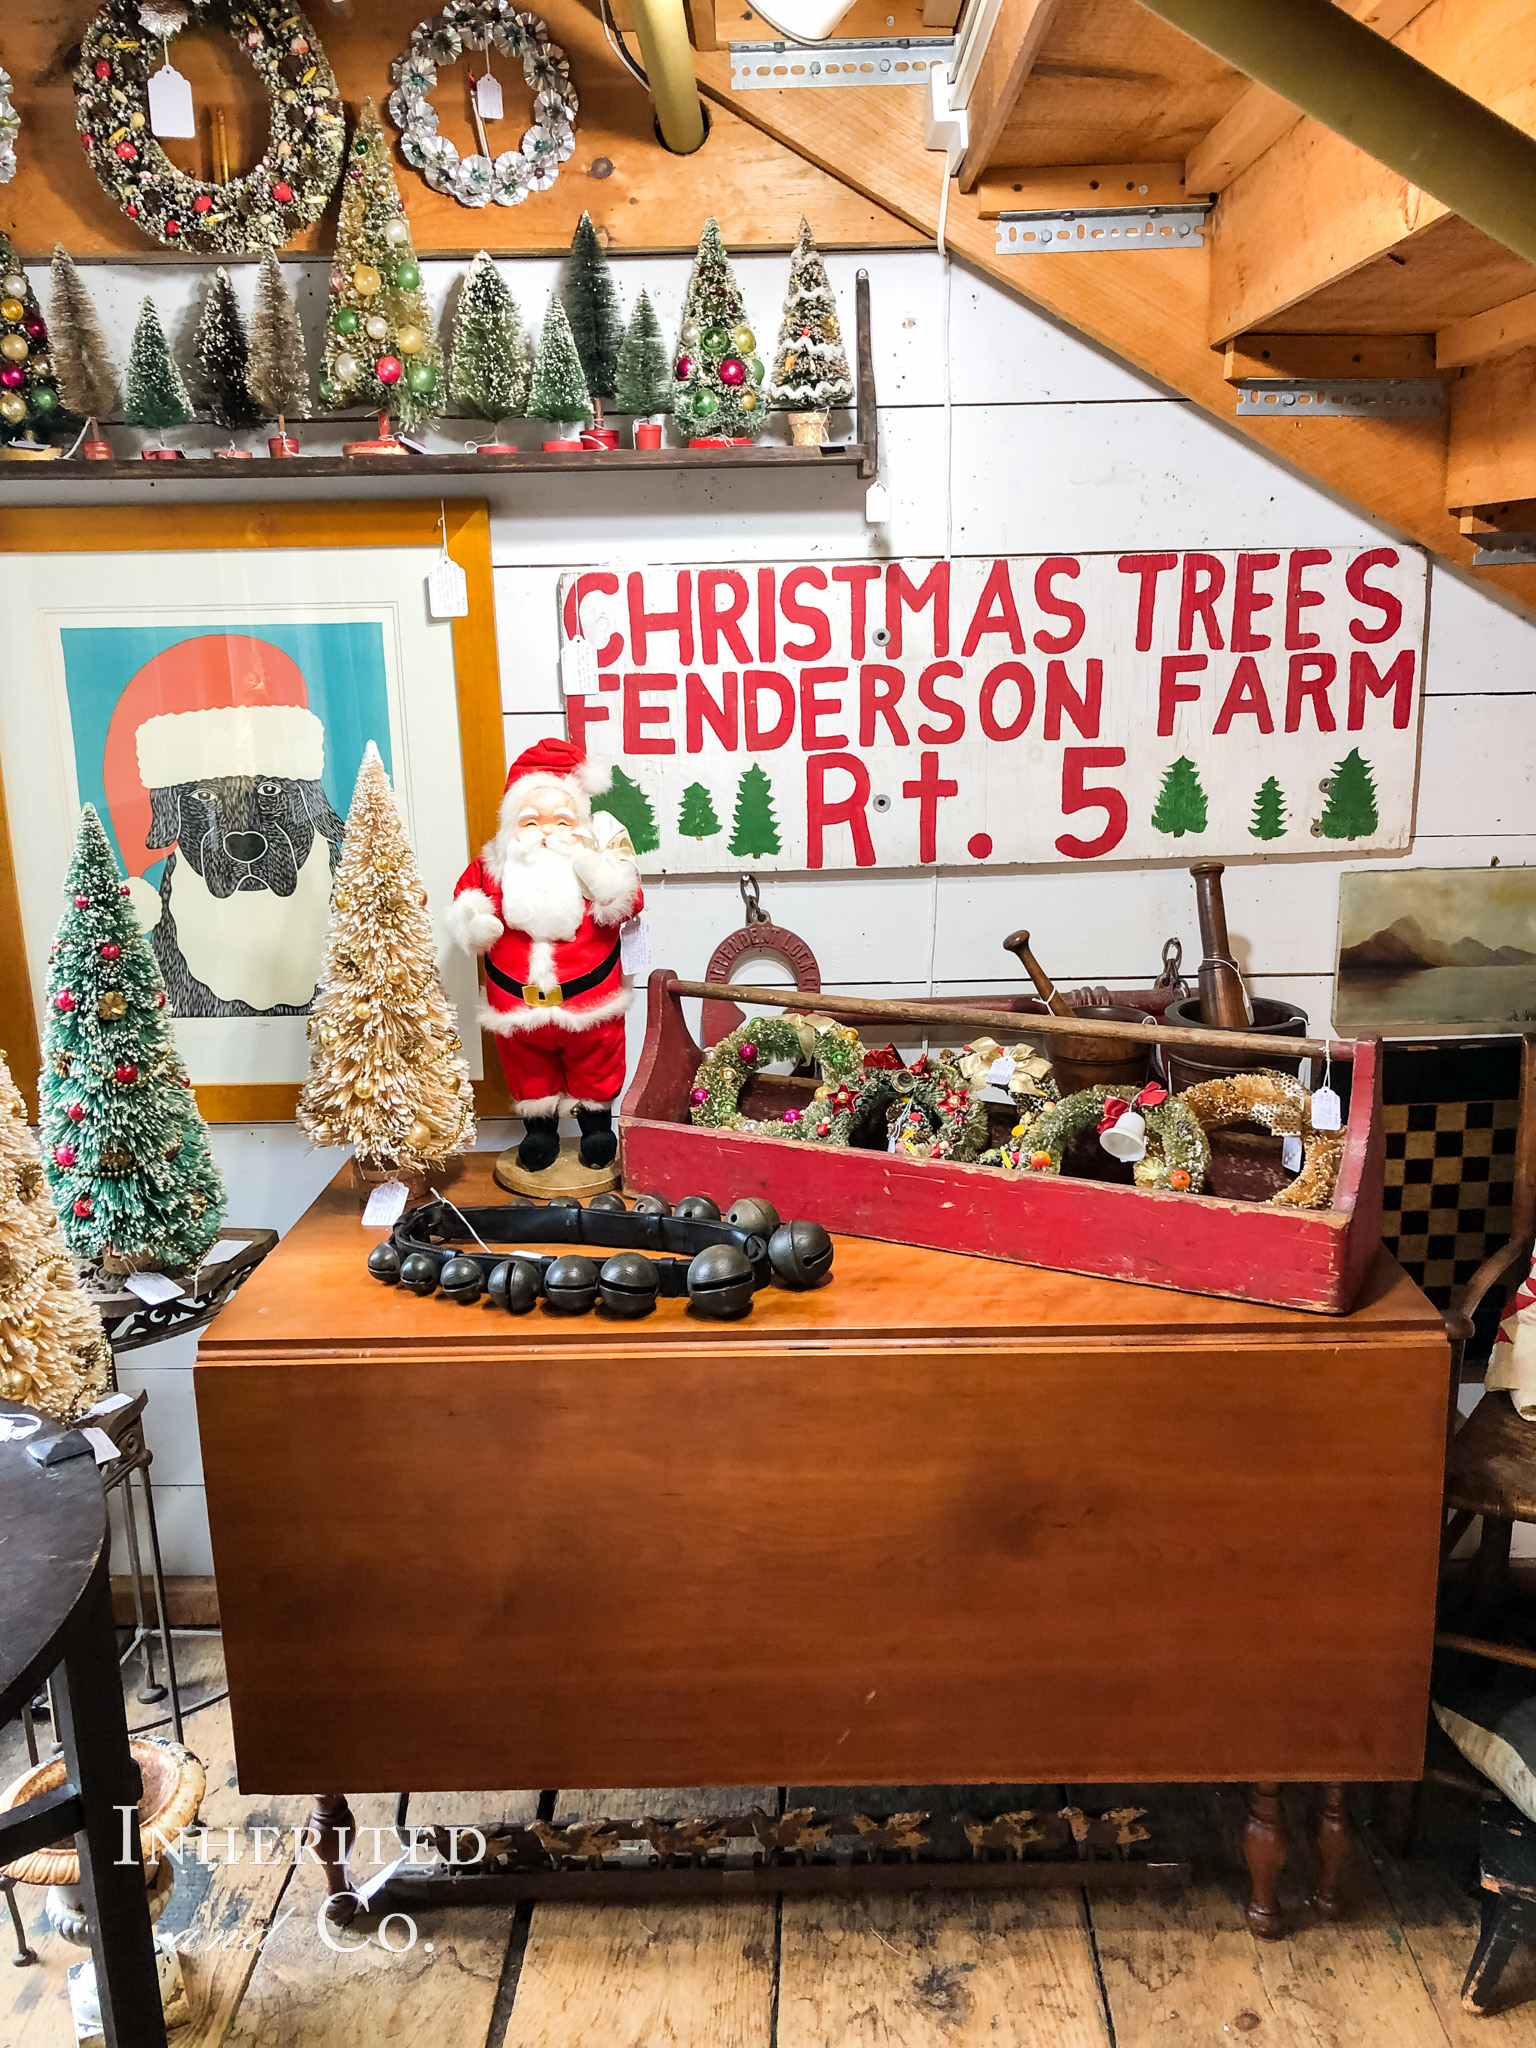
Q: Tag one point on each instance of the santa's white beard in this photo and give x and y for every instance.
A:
(540, 894)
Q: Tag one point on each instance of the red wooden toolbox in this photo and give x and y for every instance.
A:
(1200, 1244)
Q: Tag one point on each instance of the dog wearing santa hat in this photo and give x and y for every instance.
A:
(543, 904)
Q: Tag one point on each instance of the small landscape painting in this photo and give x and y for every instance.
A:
(1435, 949)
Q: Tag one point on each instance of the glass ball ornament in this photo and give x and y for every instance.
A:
(12, 377)
(748, 401)
(682, 369)
(397, 233)
(407, 275)
(363, 1089)
(14, 348)
(366, 279)
(13, 408)
(716, 340)
(421, 377)
(744, 339)
(387, 369)
(13, 284)
(375, 327)
(733, 371)
(34, 330)
(756, 367)
(690, 334)
(346, 321)
(705, 403)
(44, 398)
(326, 390)
(12, 309)
(347, 366)
(409, 340)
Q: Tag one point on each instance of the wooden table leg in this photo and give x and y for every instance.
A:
(328, 1833)
(1330, 1839)
(1264, 1848)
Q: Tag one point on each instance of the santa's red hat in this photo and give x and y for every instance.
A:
(558, 763)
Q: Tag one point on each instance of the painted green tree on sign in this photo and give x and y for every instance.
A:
(1350, 812)
(754, 829)
(1181, 800)
(628, 802)
(1268, 811)
(697, 820)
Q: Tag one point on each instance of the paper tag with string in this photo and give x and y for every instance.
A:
(488, 95)
(447, 585)
(170, 102)
(634, 946)
(1327, 1113)
(578, 668)
(386, 1204)
(1291, 1154)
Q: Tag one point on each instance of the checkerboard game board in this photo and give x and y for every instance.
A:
(1450, 1116)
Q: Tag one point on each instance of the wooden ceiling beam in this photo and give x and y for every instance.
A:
(1492, 451)
(1007, 61)
(1261, 117)
(1148, 309)
(1498, 332)
(1077, 185)
(1252, 356)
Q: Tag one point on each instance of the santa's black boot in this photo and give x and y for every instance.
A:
(541, 1143)
(599, 1145)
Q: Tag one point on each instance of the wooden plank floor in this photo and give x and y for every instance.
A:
(1051, 1970)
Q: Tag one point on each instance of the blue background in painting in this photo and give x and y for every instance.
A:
(342, 665)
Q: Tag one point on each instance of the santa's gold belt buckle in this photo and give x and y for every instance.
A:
(542, 998)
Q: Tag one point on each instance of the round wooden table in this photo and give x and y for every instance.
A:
(56, 1619)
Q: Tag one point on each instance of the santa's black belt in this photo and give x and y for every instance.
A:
(562, 992)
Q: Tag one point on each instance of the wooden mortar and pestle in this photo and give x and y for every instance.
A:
(1083, 1062)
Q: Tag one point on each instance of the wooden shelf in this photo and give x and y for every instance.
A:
(209, 469)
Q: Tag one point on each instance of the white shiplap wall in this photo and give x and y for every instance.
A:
(1055, 446)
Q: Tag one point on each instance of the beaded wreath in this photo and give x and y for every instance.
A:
(441, 41)
(1279, 1104)
(833, 1049)
(264, 208)
(1177, 1153)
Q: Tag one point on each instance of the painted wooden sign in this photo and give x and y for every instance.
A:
(1029, 710)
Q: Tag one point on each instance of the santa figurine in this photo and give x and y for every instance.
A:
(544, 904)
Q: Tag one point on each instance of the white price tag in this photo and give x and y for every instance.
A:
(578, 668)
(1325, 1110)
(488, 98)
(447, 590)
(877, 505)
(103, 1450)
(1001, 1071)
(387, 1203)
(1290, 1154)
(170, 103)
(154, 1287)
(635, 946)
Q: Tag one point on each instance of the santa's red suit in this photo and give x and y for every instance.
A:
(548, 926)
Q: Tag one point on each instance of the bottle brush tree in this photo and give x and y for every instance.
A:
(157, 396)
(124, 1148)
(381, 345)
(385, 1072)
(643, 376)
(29, 389)
(592, 307)
(223, 354)
(716, 378)
(53, 1351)
(279, 371)
(88, 377)
(559, 392)
(490, 364)
(810, 364)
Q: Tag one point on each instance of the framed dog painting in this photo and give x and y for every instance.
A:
(208, 678)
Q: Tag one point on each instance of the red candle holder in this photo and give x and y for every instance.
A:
(234, 454)
(96, 451)
(561, 447)
(599, 437)
(647, 433)
(282, 445)
(164, 454)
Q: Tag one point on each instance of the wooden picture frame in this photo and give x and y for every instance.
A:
(462, 525)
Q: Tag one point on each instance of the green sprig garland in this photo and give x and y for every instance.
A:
(1177, 1154)
(265, 207)
(728, 1065)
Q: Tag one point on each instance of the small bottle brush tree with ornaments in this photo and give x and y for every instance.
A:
(381, 345)
(559, 392)
(716, 377)
(643, 376)
(29, 389)
(385, 1072)
(54, 1353)
(124, 1148)
(157, 394)
(490, 366)
(223, 353)
(88, 377)
(592, 307)
(810, 365)
(279, 368)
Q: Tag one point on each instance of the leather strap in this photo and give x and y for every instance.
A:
(440, 1230)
